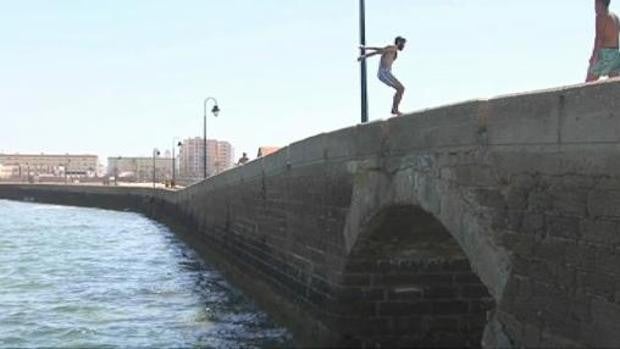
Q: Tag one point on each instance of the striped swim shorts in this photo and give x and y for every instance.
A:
(385, 75)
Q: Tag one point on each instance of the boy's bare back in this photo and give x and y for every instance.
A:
(607, 26)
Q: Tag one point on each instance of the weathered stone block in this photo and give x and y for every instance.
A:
(600, 231)
(475, 292)
(514, 220)
(608, 261)
(521, 265)
(604, 331)
(609, 183)
(597, 284)
(440, 293)
(582, 256)
(569, 200)
(516, 198)
(604, 203)
(470, 175)
(405, 308)
(357, 280)
(580, 309)
(551, 249)
(542, 271)
(359, 307)
(411, 324)
(532, 335)
(518, 243)
(540, 201)
(356, 294)
(466, 278)
(407, 294)
(481, 306)
(450, 307)
(445, 323)
(566, 277)
(533, 223)
(563, 227)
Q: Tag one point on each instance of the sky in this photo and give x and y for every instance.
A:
(121, 77)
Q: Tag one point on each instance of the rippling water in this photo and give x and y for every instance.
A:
(75, 277)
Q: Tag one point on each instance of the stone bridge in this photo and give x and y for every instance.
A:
(491, 222)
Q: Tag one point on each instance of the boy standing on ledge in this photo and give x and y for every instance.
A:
(388, 56)
(605, 60)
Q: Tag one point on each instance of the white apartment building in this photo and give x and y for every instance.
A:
(220, 155)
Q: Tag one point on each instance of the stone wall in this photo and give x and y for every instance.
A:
(491, 223)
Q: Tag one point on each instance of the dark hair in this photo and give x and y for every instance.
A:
(605, 2)
(399, 39)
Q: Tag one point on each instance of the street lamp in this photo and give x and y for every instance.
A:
(155, 155)
(118, 160)
(68, 161)
(175, 143)
(364, 70)
(216, 112)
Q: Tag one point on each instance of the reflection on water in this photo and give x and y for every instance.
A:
(74, 277)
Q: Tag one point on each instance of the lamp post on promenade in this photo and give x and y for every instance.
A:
(215, 111)
(363, 66)
(67, 162)
(175, 143)
(155, 155)
(118, 160)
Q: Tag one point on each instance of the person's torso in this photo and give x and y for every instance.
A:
(387, 59)
(610, 31)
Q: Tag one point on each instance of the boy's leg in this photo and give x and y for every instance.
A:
(591, 77)
(593, 71)
(398, 97)
(387, 78)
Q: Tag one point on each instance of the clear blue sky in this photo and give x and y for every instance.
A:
(119, 77)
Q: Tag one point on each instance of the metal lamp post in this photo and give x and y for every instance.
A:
(215, 111)
(175, 144)
(67, 162)
(364, 70)
(155, 155)
(118, 160)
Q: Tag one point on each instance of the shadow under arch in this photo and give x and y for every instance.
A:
(411, 285)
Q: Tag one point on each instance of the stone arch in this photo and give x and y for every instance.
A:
(412, 284)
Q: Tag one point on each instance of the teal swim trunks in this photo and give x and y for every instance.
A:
(608, 62)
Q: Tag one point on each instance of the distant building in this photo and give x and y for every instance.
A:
(140, 169)
(191, 158)
(8, 171)
(220, 156)
(264, 151)
(54, 166)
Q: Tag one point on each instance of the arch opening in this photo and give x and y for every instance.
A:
(410, 284)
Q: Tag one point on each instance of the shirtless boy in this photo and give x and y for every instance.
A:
(605, 60)
(388, 56)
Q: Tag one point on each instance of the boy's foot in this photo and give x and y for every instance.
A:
(396, 113)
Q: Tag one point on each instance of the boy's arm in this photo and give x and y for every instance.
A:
(371, 48)
(597, 38)
(377, 51)
(366, 55)
(597, 46)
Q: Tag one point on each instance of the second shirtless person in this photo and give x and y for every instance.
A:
(605, 59)
(388, 56)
